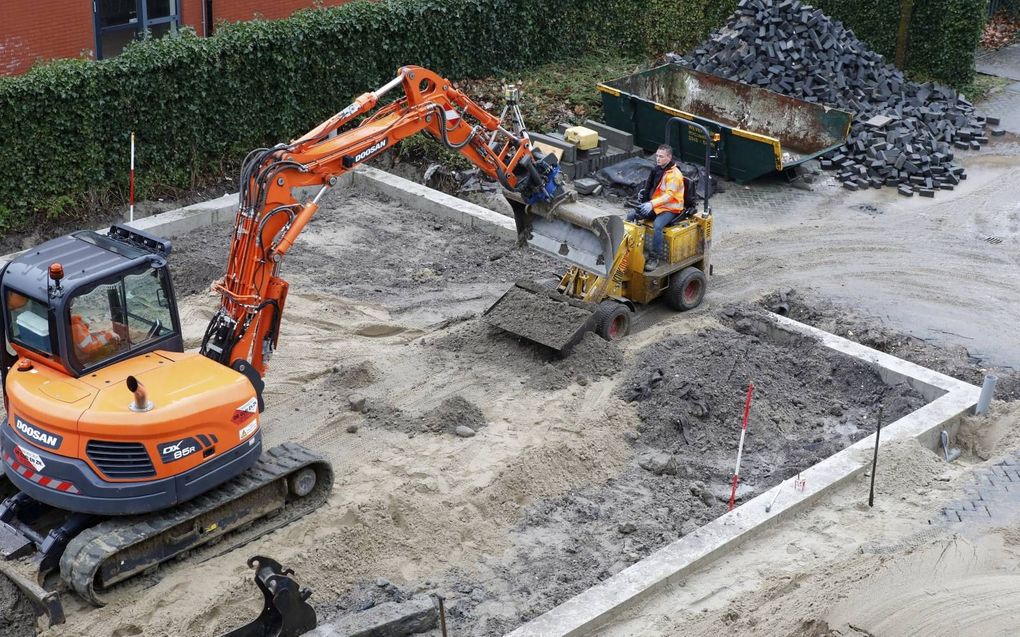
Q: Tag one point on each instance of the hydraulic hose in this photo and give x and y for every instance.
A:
(443, 132)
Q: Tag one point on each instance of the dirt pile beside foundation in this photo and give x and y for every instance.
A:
(537, 366)
(809, 402)
(854, 325)
(993, 435)
(352, 376)
(452, 414)
(904, 466)
(17, 617)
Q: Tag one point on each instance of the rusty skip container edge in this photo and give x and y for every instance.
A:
(761, 131)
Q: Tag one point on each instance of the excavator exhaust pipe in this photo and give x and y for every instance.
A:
(141, 401)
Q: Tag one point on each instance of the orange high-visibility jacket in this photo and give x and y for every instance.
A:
(669, 194)
(90, 342)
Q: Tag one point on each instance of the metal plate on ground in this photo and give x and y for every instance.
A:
(13, 544)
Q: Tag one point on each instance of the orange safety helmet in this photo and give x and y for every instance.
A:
(15, 300)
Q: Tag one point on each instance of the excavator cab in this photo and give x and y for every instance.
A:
(86, 300)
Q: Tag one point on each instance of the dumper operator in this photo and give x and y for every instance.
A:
(662, 198)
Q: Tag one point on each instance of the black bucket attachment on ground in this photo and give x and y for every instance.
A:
(532, 311)
(286, 612)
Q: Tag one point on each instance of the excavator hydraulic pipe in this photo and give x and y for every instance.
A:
(388, 86)
(300, 221)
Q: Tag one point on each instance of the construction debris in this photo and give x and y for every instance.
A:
(904, 133)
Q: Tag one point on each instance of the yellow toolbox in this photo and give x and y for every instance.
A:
(583, 138)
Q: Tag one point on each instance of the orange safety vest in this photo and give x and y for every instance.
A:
(90, 342)
(669, 194)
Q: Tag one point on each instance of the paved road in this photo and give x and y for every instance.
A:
(944, 268)
(1004, 63)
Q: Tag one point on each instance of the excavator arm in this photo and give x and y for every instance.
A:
(280, 190)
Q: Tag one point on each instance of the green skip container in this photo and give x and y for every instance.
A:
(760, 131)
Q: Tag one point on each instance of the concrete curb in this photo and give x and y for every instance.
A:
(428, 200)
(950, 399)
(174, 223)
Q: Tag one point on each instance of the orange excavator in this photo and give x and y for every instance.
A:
(122, 451)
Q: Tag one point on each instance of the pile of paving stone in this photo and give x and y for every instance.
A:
(904, 133)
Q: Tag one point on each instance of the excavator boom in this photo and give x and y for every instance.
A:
(281, 188)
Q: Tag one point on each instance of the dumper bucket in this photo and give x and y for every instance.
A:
(532, 311)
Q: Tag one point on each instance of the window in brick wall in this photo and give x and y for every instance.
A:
(118, 22)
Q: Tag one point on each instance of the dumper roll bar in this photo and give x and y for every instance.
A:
(710, 139)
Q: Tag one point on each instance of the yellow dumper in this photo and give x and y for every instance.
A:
(606, 278)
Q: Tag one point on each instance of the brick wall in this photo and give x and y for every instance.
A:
(32, 30)
(237, 10)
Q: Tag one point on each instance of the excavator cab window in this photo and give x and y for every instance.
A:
(117, 317)
(28, 322)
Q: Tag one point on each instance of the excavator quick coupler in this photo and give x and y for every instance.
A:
(286, 612)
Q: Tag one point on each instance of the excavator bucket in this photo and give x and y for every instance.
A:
(572, 232)
(577, 234)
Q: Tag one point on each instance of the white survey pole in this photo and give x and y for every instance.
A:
(132, 194)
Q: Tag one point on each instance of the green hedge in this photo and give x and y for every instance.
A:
(198, 105)
(942, 39)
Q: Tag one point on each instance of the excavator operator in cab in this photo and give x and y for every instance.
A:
(92, 346)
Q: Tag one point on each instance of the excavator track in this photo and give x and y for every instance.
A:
(273, 493)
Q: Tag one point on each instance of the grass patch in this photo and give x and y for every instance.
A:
(984, 85)
(550, 94)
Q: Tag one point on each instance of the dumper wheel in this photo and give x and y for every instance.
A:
(686, 289)
(612, 320)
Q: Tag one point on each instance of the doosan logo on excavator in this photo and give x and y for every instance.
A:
(44, 438)
(379, 145)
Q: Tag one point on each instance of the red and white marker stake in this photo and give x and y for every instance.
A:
(132, 194)
(740, 448)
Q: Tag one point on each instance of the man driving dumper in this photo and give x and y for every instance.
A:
(662, 198)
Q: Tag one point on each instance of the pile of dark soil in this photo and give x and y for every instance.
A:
(854, 325)
(808, 402)
(453, 412)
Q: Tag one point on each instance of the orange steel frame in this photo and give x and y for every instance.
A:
(251, 289)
